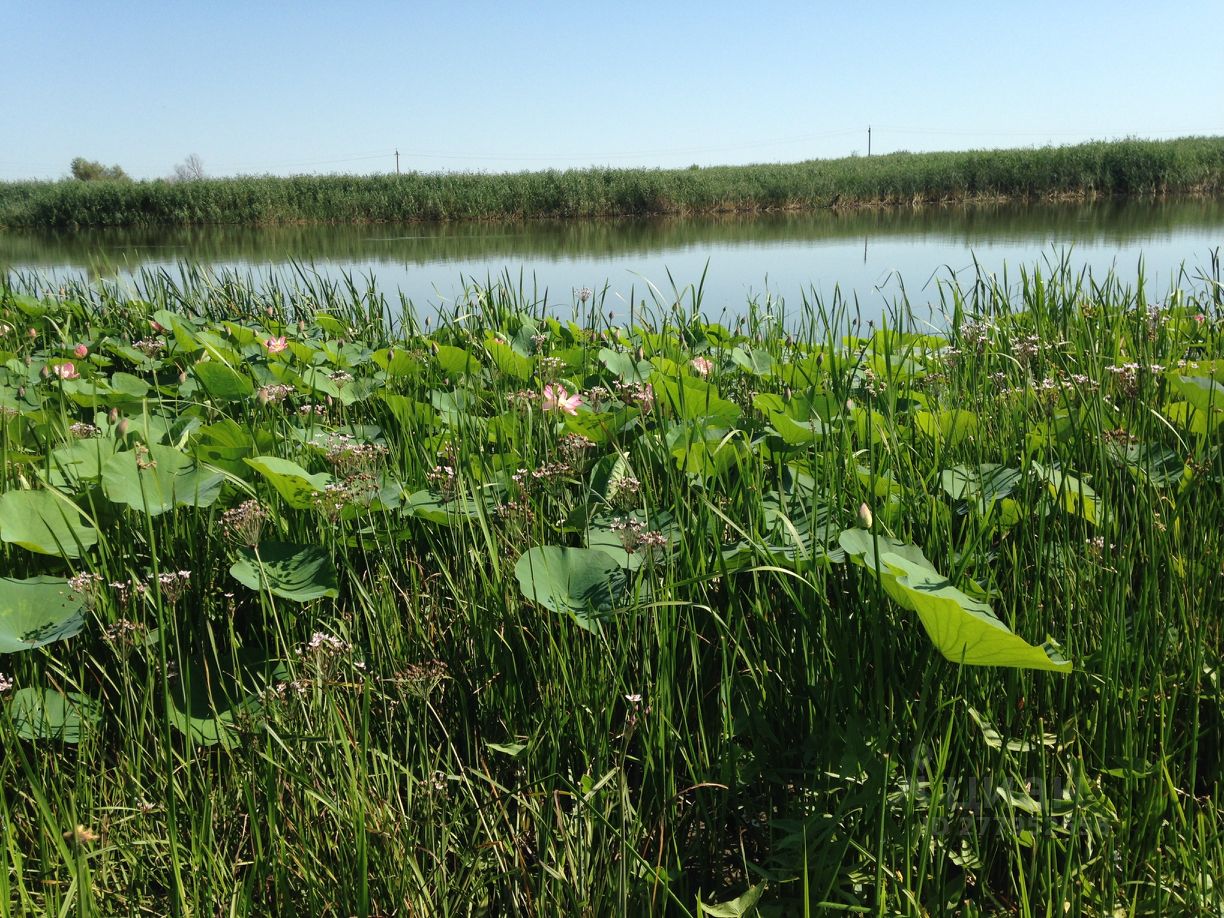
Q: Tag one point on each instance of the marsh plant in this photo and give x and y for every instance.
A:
(310, 608)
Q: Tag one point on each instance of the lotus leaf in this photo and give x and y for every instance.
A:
(159, 478)
(298, 487)
(963, 629)
(297, 572)
(584, 582)
(37, 611)
(44, 522)
(48, 714)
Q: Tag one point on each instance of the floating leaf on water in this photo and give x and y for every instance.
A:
(38, 611)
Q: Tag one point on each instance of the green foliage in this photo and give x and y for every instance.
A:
(365, 626)
(88, 170)
(1127, 167)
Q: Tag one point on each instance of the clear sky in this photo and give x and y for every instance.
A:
(283, 88)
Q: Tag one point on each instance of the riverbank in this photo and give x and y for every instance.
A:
(1124, 168)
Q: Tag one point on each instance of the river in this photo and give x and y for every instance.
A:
(866, 253)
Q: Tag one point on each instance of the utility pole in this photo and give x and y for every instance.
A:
(397, 162)
(869, 140)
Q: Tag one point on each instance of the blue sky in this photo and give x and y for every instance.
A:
(262, 87)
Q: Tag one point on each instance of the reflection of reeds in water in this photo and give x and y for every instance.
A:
(105, 251)
(1088, 170)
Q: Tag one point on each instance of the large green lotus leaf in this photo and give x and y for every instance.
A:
(609, 475)
(455, 407)
(987, 487)
(168, 479)
(412, 416)
(948, 428)
(1195, 420)
(437, 508)
(600, 534)
(455, 361)
(797, 433)
(89, 393)
(224, 445)
(297, 572)
(584, 582)
(131, 387)
(756, 361)
(963, 629)
(510, 362)
(209, 702)
(1072, 493)
(43, 522)
(1202, 392)
(37, 611)
(397, 363)
(1157, 464)
(298, 487)
(222, 383)
(625, 365)
(48, 714)
(79, 462)
(693, 399)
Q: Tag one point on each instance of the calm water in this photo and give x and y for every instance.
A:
(865, 253)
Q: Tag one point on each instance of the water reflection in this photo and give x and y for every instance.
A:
(860, 252)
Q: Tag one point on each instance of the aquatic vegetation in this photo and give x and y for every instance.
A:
(310, 605)
(1105, 168)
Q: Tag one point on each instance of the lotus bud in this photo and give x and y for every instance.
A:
(113, 415)
(182, 377)
(81, 351)
(864, 516)
(122, 428)
(44, 372)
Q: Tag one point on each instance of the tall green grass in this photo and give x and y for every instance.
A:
(1131, 167)
(764, 721)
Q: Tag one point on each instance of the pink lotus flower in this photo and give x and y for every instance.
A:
(81, 351)
(557, 399)
(276, 345)
(1200, 318)
(703, 365)
(65, 370)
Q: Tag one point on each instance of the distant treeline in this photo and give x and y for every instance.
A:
(1129, 167)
